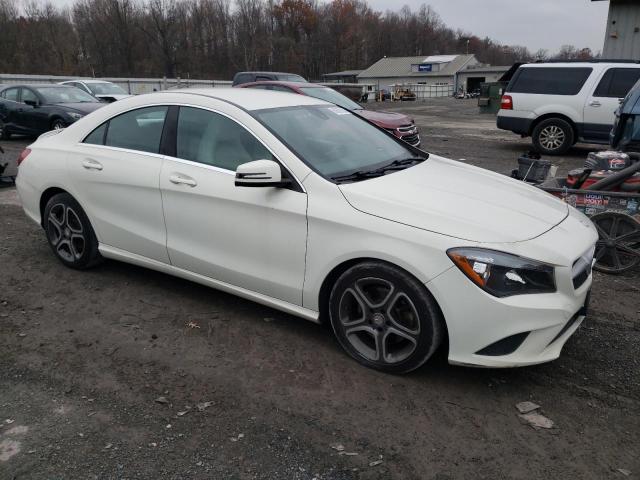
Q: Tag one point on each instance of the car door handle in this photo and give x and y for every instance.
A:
(182, 180)
(594, 103)
(90, 164)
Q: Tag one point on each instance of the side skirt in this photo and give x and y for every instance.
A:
(127, 257)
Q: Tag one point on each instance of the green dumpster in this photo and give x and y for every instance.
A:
(491, 96)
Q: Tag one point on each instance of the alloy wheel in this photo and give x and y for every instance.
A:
(552, 137)
(379, 320)
(66, 233)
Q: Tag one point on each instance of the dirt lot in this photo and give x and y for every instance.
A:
(121, 372)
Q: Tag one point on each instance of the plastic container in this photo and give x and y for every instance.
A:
(532, 168)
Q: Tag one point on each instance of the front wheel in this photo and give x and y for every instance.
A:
(384, 318)
(58, 124)
(69, 232)
(553, 136)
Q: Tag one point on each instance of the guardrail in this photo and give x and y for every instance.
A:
(134, 86)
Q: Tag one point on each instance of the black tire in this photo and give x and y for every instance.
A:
(4, 133)
(69, 232)
(58, 124)
(553, 136)
(394, 331)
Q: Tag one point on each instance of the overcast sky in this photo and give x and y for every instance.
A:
(532, 23)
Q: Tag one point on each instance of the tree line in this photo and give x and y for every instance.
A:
(213, 39)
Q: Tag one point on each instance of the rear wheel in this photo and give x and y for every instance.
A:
(553, 136)
(384, 318)
(4, 133)
(69, 232)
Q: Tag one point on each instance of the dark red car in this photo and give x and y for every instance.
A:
(398, 124)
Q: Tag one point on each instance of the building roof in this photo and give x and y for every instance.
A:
(401, 67)
(346, 73)
(486, 69)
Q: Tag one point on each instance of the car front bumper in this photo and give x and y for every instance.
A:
(520, 330)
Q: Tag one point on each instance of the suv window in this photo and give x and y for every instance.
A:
(260, 78)
(137, 130)
(10, 94)
(549, 80)
(213, 139)
(617, 82)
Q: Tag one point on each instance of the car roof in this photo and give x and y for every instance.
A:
(250, 99)
(34, 85)
(284, 84)
(558, 64)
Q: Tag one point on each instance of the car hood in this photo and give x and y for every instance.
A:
(385, 119)
(114, 96)
(86, 107)
(458, 200)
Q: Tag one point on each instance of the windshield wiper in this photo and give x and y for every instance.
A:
(378, 172)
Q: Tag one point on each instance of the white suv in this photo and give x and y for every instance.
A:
(559, 104)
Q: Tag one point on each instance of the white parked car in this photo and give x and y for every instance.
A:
(303, 206)
(101, 89)
(561, 103)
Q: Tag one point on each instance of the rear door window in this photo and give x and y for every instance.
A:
(549, 80)
(617, 82)
(139, 129)
(10, 94)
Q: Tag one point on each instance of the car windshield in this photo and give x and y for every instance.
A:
(333, 141)
(291, 78)
(330, 95)
(105, 89)
(65, 95)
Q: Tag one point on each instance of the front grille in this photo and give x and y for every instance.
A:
(581, 268)
(407, 128)
(412, 139)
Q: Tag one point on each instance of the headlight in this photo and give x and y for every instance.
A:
(75, 115)
(502, 274)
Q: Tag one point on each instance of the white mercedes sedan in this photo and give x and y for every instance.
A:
(302, 206)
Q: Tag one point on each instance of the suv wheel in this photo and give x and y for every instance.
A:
(384, 318)
(553, 136)
(69, 232)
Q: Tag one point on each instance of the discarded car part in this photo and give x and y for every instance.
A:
(618, 248)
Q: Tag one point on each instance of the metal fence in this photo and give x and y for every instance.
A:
(132, 85)
(430, 91)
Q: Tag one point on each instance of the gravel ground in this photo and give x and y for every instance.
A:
(125, 373)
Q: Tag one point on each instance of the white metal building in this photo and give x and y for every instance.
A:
(622, 38)
(432, 76)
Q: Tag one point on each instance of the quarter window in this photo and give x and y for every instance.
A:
(617, 82)
(97, 136)
(137, 130)
(213, 139)
(549, 81)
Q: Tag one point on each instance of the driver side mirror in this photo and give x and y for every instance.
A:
(260, 173)
(32, 103)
